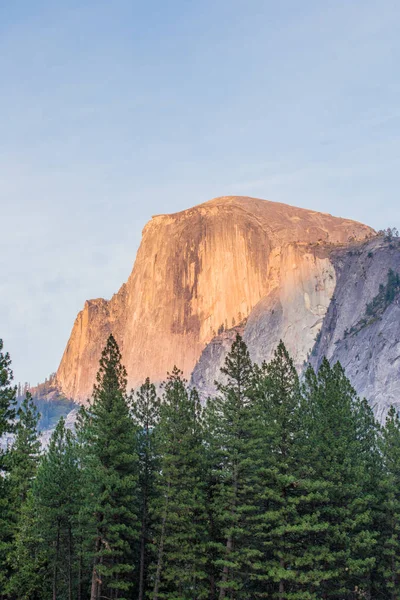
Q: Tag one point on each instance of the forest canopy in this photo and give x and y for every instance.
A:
(277, 487)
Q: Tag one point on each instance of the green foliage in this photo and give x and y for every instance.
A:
(146, 415)
(231, 445)
(334, 447)
(7, 427)
(178, 509)
(49, 402)
(387, 294)
(290, 534)
(7, 399)
(24, 453)
(277, 489)
(45, 555)
(389, 547)
(110, 459)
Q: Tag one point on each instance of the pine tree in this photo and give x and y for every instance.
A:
(24, 455)
(7, 397)
(373, 485)
(22, 462)
(146, 413)
(57, 497)
(333, 455)
(44, 551)
(30, 578)
(288, 568)
(7, 427)
(390, 524)
(232, 441)
(111, 478)
(179, 508)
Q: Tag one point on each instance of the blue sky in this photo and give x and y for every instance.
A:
(114, 111)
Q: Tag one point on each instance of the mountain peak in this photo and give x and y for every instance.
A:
(197, 270)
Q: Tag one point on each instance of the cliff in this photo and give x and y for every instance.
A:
(361, 329)
(204, 270)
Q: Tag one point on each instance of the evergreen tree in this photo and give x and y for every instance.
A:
(7, 398)
(44, 553)
(30, 578)
(7, 416)
(179, 507)
(390, 524)
(111, 478)
(57, 496)
(22, 461)
(24, 454)
(284, 524)
(373, 484)
(146, 413)
(231, 447)
(334, 456)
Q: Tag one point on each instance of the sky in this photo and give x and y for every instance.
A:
(114, 111)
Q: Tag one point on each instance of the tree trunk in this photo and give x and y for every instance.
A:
(229, 541)
(161, 547)
(80, 572)
(56, 563)
(143, 546)
(69, 563)
(281, 582)
(212, 587)
(96, 585)
(225, 570)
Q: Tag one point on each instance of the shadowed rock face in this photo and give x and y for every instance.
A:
(205, 268)
(368, 346)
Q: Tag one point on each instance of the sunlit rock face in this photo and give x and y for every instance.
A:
(207, 268)
(302, 280)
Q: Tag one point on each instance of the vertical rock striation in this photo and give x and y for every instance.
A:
(204, 270)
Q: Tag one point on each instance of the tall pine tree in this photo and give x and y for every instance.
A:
(232, 443)
(7, 427)
(179, 507)
(333, 455)
(23, 459)
(284, 524)
(390, 523)
(111, 478)
(146, 414)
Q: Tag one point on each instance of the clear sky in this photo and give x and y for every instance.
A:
(114, 111)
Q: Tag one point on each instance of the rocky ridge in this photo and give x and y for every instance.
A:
(204, 270)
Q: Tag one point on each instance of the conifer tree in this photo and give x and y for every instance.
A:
(7, 396)
(179, 508)
(44, 549)
(232, 442)
(390, 524)
(146, 413)
(288, 568)
(111, 478)
(31, 556)
(22, 462)
(373, 484)
(7, 416)
(333, 455)
(57, 497)
(24, 454)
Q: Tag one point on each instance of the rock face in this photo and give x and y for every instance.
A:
(368, 347)
(206, 269)
(302, 286)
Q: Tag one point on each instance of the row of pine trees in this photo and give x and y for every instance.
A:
(277, 488)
